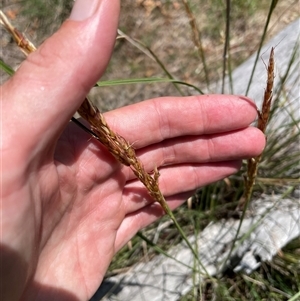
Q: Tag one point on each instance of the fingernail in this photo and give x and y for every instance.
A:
(84, 9)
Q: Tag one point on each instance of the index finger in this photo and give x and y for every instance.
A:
(158, 119)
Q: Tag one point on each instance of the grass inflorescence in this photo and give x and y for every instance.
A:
(263, 118)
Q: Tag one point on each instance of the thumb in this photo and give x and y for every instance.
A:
(52, 82)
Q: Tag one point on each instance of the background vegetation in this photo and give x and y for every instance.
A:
(159, 43)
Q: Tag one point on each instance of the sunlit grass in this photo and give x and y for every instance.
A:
(279, 168)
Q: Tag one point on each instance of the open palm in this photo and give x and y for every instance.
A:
(67, 204)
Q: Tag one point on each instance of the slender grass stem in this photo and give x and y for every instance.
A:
(77, 122)
(150, 80)
(196, 36)
(24, 44)
(226, 45)
(272, 7)
(295, 297)
(161, 251)
(182, 234)
(6, 68)
(148, 51)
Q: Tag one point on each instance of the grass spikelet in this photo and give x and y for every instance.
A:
(121, 149)
(263, 117)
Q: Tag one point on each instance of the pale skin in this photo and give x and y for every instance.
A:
(67, 206)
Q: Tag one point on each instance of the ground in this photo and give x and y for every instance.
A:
(163, 26)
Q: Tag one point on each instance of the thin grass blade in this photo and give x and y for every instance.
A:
(6, 68)
(151, 80)
(272, 7)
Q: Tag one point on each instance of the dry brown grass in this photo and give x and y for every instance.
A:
(122, 150)
(24, 44)
(263, 117)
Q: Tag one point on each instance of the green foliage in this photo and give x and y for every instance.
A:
(6, 68)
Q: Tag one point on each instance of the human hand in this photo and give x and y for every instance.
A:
(67, 206)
